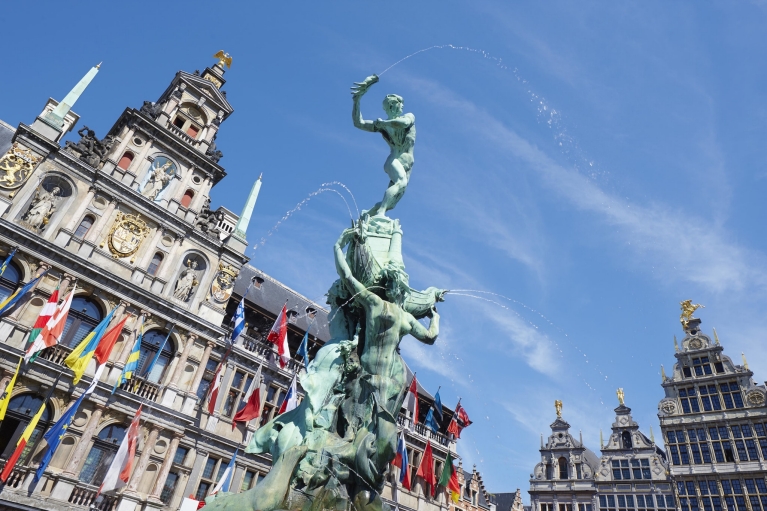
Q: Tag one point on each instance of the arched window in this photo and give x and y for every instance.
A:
(155, 264)
(99, 458)
(626, 437)
(83, 317)
(20, 411)
(85, 225)
(186, 200)
(9, 281)
(126, 160)
(562, 468)
(151, 343)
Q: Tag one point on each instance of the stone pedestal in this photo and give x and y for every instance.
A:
(129, 501)
(169, 397)
(190, 401)
(62, 488)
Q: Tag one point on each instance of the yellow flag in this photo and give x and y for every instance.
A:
(6, 398)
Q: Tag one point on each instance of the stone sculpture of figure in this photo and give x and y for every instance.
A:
(213, 153)
(399, 132)
(187, 282)
(151, 109)
(158, 180)
(42, 207)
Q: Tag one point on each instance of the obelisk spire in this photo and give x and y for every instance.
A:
(247, 211)
(62, 109)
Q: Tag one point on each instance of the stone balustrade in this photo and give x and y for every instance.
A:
(422, 431)
(85, 495)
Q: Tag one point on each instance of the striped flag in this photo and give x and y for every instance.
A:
(279, 336)
(303, 350)
(251, 402)
(401, 461)
(120, 470)
(9, 302)
(45, 315)
(411, 400)
(53, 330)
(22, 442)
(239, 318)
(131, 365)
(78, 360)
(291, 398)
(8, 391)
(226, 477)
(449, 478)
(215, 386)
(7, 261)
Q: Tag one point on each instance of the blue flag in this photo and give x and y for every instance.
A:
(303, 350)
(54, 435)
(239, 319)
(430, 422)
(157, 355)
(226, 477)
(438, 406)
(131, 365)
(7, 261)
(9, 302)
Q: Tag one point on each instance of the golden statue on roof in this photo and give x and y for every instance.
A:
(223, 58)
(558, 407)
(688, 308)
(620, 394)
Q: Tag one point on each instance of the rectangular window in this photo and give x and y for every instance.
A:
(202, 491)
(690, 488)
(761, 486)
(684, 455)
(717, 502)
(610, 501)
(621, 501)
(718, 452)
(696, 454)
(637, 472)
(683, 503)
(735, 431)
(630, 501)
(706, 453)
(750, 486)
(180, 455)
(751, 447)
(706, 504)
(759, 428)
(728, 455)
(674, 455)
(742, 456)
(247, 480)
(736, 487)
(602, 501)
(713, 433)
(703, 487)
(726, 488)
(713, 488)
(169, 487)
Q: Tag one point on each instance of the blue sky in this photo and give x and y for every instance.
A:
(596, 165)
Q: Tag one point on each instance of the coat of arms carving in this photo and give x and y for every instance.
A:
(126, 235)
(16, 166)
(223, 284)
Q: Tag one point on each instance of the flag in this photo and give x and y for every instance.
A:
(279, 336)
(449, 478)
(42, 319)
(226, 477)
(157, 355)
(431, 422)
(6, 398)
(120, 470)
(213, 391)
(438, 406)
(411, 399)
(251, 402)
(303, 350)
(22, 442)
(132, 363)
(7, 261)
(54, 435)
(459, 422)
(426, 468)
(53, 330)
(78, 360)
(9, 302)
(291, 398)
(401, 461)
(239, 318)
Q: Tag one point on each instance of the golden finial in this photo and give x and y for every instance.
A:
(601, 439)
(745, 362)
(662, 374)
(688, 308)
(223, 58)
(716, 337)
(98, 66)
(558, 407)
(652, 436)
(620, 394)
(676, 345)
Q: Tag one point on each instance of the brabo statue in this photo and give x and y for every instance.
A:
(332, 450)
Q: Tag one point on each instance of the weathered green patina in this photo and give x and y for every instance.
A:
(331, 452)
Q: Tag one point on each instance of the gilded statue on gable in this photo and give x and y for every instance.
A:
(688, 308)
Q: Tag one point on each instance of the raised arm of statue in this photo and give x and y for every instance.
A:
(342, 267)
(358, 90)
(426, 336)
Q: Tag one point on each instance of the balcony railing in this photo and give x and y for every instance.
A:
(17, 476)
(142, 388)
(182, 135)
(85, 495)
(56, 354)
(266, 351)
(422, 431)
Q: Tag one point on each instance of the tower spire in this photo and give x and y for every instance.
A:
(62, 109)
(247, 211)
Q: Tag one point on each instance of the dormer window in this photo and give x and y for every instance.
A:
(179, 122)
(187, 126)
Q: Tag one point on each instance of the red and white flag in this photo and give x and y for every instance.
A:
(51, 333)
(291, 398)
(278, 336)
(459, 422)
(251, 400)
(215, 385)
(120, 470)
(411, 400)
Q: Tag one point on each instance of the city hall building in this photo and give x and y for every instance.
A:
(125, 221)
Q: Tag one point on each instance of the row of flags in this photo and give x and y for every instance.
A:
(458, 422)
(448, 479)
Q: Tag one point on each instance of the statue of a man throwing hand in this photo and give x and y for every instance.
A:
(399, 132)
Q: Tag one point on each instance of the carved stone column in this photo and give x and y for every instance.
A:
(66, 279)
(82, 447)
(81, 207)
(201, 369)
(179, 370)
(166, 271)
(101, 223)
(165, 468)
(144, 459)
(151, 248)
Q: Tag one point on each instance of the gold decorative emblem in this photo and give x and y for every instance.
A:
(755, 398)
(222, 286)
(212, 79)
(688, 308)
(126, 235)
(16, 166)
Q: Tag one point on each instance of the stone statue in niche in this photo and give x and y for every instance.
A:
(41, 208)
(91, 150)
(160, 174)
(187, 282)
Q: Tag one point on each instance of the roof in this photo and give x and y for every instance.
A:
(6, 137)
(504, 501)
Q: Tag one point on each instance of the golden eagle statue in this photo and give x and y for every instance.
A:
(223, 58)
